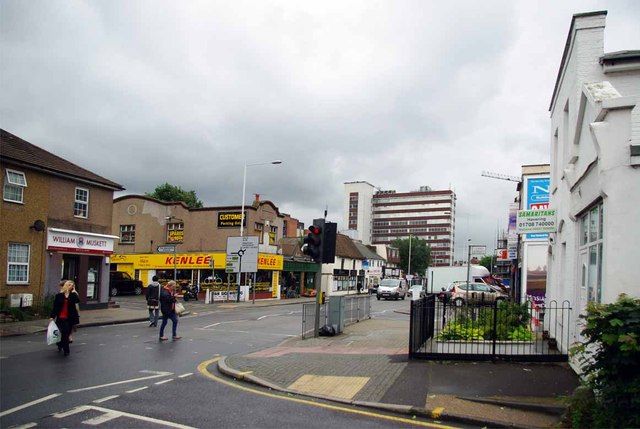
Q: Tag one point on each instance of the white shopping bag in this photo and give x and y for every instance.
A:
(53, 333)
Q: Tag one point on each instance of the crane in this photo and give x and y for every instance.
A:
(501, 176)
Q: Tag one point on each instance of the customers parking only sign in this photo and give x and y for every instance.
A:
(536, 221)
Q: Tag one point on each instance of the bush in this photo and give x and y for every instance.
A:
(609, 360)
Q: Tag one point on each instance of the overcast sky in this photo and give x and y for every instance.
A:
(400, 94)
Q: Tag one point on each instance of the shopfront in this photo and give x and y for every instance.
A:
(82, 257)
(205, 270)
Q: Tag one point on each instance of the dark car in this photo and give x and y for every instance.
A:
(121, 282)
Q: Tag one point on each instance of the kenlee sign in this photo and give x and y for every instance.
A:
(536, 221)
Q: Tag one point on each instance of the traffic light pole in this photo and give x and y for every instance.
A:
(318, 281)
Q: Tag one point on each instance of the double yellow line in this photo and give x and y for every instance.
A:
(203, 368)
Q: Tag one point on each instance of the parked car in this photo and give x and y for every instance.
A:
(121, 282)
(416, 292)
(460, 293)
(392, 288)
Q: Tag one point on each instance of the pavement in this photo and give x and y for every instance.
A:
(367, 365)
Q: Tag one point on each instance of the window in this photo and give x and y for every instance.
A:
(127, 234)
(18, 263)
(14, 186)
(81, 205)
(591, 239)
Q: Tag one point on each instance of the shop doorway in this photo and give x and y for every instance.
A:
(70, 268)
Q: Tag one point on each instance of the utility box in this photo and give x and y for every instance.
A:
(336, 313)
(20, 300)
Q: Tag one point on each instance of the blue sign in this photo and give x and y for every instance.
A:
(537, 199)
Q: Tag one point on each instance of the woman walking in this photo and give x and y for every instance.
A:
(168, 309)
(65, 312)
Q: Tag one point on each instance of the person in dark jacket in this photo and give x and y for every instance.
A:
(168, 308)
(64, 312)
(153, 301)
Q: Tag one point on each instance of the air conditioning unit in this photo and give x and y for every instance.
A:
(21, 300)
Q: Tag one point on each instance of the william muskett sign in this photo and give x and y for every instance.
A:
(536, 221)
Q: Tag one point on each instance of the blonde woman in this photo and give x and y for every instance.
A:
(64, 312)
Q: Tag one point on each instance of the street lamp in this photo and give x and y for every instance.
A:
(244, 186)
(175, 268)
(409, 267)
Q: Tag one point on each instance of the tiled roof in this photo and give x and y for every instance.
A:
(366, 252)
(15, 150)
(291, 247)
(345, 248)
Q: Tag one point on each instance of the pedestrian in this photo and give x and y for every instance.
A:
(153, 301)
(168, 308)
(63, 312)
(75, 319)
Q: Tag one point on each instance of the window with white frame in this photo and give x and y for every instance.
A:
(81, 204)
(127, 234)
(591, 239)
(14, 184)
(18, 263)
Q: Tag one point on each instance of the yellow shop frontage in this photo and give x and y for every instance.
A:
(206, 270)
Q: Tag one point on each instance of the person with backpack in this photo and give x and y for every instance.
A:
(153, 301)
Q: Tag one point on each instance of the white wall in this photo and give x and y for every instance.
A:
(592, 118)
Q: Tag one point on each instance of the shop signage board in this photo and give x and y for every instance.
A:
(536, 221)
(536, 190)
(79, 241)
(247, 249)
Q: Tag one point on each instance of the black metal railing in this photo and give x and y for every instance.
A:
(488, 331)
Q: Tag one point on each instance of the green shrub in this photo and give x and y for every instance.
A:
(521, 333)
(459, 331)
(609, 360)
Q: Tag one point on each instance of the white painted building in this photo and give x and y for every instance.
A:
(595, 172)
(358, 206)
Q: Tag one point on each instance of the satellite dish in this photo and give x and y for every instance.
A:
(38, 225)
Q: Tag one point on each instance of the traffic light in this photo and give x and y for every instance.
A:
(329, 242)
(313, 241)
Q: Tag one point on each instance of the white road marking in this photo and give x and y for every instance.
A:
(115, 413)
(105, 399)
(156, 374)
(220, 323)
(269, 315)
(164, 381)
(28, 404)
(137, 390)
(26, 426)
(101, 419)
(185, 375)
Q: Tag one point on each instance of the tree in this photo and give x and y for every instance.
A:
(171, 193)
(486, 262)
(420, 255)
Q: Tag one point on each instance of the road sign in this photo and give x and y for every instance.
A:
(536, 221)
(233, 264)
(168, 248)
(477, 250)
(247, 247)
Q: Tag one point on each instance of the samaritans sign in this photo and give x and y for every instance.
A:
(536, 221)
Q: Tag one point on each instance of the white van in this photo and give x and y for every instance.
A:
(392, 288)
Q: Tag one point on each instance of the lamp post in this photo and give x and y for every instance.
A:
(244, 186)
(468, 261)
(409, 267)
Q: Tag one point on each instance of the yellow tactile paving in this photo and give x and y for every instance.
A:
(337, 387)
